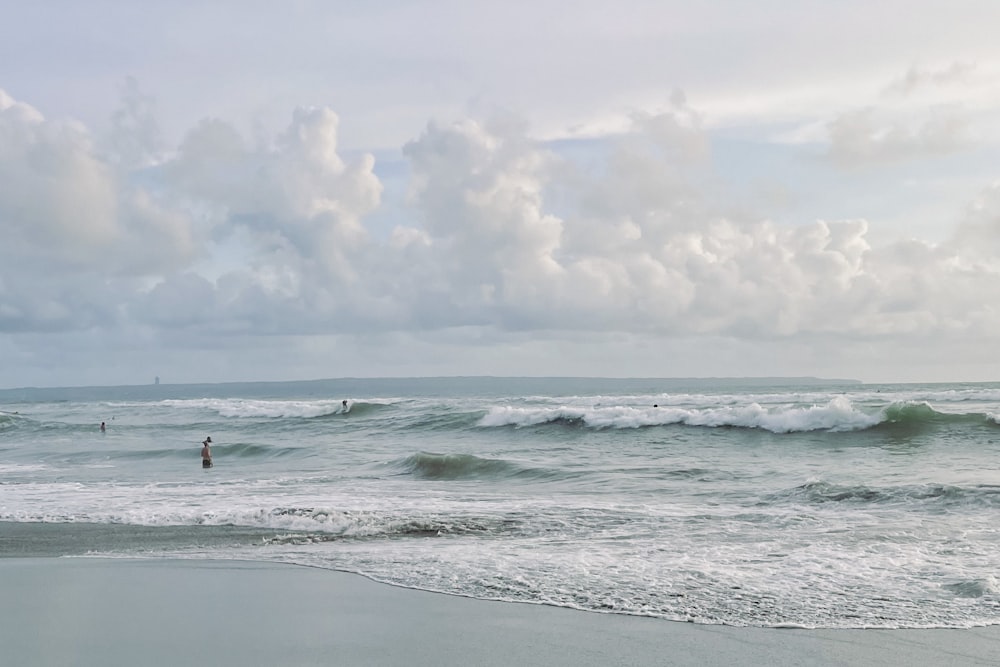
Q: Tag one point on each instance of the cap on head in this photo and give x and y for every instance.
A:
(208, 439)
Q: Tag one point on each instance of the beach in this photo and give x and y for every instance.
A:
(501, 521)
(98, 611)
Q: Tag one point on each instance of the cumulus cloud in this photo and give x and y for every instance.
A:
(77, 229)
(641, 250)
(479, 195)
(57, 197)
(299, 191)
(501, 234)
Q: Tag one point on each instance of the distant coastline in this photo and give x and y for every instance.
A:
(664, 383)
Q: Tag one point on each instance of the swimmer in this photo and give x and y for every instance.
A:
(206, 453)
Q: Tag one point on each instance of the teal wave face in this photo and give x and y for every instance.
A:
(914, 413)
(909, 419)
(250, 451)
(429, 466)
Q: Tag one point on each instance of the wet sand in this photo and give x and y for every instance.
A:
(82, 611)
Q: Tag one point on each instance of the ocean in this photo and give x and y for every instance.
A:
(775, 503)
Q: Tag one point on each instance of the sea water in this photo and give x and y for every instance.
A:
(762, 503)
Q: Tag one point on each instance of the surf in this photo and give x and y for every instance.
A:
(839, 414)
(455, 467)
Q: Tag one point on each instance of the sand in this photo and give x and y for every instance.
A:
(83, 611)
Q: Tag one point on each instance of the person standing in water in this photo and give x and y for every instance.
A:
(102, 427)
(206, 453)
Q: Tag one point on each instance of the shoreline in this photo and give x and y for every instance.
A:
(95, 611)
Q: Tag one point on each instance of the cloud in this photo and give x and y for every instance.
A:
(135, 139)
(641, 250)
(917, 79)
(55, 194)
(478, 192)
(977, 238)
(864, 137)
(924, 114)
(299, 192)
(502, 237)
(76, 229)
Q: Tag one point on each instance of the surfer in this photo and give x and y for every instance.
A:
(102, 427)
(206, 453)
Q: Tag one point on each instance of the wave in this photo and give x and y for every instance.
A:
(973, 394)
(818, 492)
(269, 409)
(444, 467)
(242, 450)
(441, 421)
(276, 525)
(837, 415)
(354, 409)
(22, 422)
(369, 526)
(18, 468)
(974, 588)
(233, 451)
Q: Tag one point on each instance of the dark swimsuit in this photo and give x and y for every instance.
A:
(206, 463)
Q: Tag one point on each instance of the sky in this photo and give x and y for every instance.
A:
(242, 190)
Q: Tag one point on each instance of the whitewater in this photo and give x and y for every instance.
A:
(778, 503)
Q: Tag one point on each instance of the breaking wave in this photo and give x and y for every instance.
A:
(839, 414)
(268, 409)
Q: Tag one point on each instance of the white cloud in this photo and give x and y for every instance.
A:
(505, 235)
(861, 137)
(54, 192)
(916, 79)
(76, 230)
(299, 192)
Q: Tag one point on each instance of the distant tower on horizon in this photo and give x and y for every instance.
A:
(157, 380)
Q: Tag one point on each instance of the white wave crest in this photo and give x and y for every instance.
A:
(16, 468)
(254, 408)
(839, 414)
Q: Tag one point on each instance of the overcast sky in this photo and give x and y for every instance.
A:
(230, 191)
